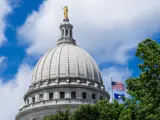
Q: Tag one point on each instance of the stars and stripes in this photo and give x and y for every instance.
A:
(117, 85)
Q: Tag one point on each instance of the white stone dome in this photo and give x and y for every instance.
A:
(67, 60)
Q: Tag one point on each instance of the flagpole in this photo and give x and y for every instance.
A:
(112, 89)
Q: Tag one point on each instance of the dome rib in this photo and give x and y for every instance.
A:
(51, 61)
(67, 60)
(40, 68)
(97, 70)
(85, 66)
(58, 61)
(90, 64)
(76, 60)
(44, 62)
(33, 75)
(36, 69)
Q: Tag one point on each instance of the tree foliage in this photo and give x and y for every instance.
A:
(130, 110)
(60, 115)
(146, 88)
(86, 112)
(109, 111)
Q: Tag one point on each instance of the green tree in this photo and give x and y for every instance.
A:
(102, 110)
(146, 88)
(109, 111)
(86, 112)
(130, 110)
(60, 115)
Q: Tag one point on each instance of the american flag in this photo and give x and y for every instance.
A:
(117, 85)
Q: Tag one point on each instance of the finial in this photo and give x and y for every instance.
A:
(65, 8)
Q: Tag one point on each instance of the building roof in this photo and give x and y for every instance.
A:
(66, 60)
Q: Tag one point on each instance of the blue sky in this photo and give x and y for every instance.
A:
(11, 48)
(109, 30)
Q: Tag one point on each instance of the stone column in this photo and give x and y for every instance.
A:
(46, 96)
(67, 93)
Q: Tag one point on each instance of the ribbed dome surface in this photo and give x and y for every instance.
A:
(66, 61)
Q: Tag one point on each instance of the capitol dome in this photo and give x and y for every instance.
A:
(66, 60)
(65, 76)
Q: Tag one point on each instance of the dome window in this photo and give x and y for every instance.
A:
(93, 96)
(33, 99)
(62, 95)
(62, 33)
(51, 96)
(41, 97)
(84, 95)
(73, 95)
(66, 32)
(101, 98)
(71, 33)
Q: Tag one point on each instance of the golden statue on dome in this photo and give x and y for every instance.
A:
(65, 14)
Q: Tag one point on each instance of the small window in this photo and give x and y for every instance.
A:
(41, 97)
(73, 95)
(51, 95)
(94, 96)
(62, 95)
(62, 32)
(33, 99)
(84, 95)
(71, 33)
(101, 98)
(66, 32)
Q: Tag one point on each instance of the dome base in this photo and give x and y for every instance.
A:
(62, 96)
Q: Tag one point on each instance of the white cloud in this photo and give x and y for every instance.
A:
(11, 93)
(5, 9)
(2, 58)
(108, 29)
(118, 75)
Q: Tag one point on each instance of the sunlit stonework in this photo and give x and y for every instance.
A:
(65, 76)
